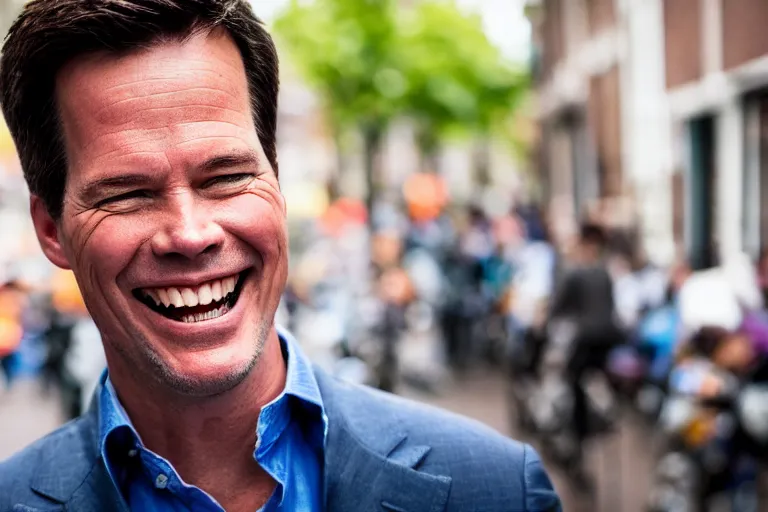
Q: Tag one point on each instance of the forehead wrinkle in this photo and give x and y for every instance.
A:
(132, 135)
(153, 84)
(181, 135)
(181, 81)
(163, 56)
(80, 78)
(120, 119)
(168, 124)
(181, 92)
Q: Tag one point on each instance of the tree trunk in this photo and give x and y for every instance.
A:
(372, 136)
(430, 160)
(429, 149)
(334, 180)
(482, 165)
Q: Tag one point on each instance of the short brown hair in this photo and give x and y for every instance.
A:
(50, 33)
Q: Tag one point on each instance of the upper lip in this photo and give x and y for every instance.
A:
(188, 280)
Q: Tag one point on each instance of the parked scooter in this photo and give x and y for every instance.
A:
(709, 425)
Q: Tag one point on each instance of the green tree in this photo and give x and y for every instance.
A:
(346, 50)
(459, 82)
(430, 62)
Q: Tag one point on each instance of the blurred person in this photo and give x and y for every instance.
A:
(532, 286)
(11, 329)
(731, 351)
(396, 292)
(65, 307)
(477, 241)
(146, 132)
(459, 307)
(85, 362)
(585, 299)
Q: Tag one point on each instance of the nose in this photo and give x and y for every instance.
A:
(188, 230)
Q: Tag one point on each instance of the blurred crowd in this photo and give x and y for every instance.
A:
(587, 332)
(420, 292)
(46, 332)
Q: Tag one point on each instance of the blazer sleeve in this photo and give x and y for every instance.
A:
(540, 495)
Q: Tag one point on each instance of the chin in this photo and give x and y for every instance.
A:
(206, 373)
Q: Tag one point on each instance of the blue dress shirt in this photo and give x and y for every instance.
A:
(290, 445)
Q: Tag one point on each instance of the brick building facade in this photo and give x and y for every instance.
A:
(672, 97)
(592, 92)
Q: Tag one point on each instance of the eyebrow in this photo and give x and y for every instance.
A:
(234, 159)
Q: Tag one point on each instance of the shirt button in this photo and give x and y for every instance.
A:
(161, 482)
(133, 452)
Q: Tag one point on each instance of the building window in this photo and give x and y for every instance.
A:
(755, 182)
(701, 189)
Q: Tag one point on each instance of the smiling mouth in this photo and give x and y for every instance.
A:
(206, 301)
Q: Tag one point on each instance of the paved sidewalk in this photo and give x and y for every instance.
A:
(26, 414)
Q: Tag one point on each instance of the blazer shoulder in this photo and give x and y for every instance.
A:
(62, 451)
(372, 413)
(476, 457)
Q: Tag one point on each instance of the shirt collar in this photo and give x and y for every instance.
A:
(116, 428)
(300, 383)
(300, 378)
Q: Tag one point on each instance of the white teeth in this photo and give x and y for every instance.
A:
(213, 291)
(210, 315)
(175, 296)
(216, 291)
(163, 295)
(204, 295)
(190, 297)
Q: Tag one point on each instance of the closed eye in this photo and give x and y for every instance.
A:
(226, 179)
(133, 194)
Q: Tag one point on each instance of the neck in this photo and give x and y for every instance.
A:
(209, 441)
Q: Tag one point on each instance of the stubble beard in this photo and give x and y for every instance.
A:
(167, 378)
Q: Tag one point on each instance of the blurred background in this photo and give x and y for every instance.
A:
(548, 215)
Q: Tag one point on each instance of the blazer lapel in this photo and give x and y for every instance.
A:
(369, 465)
(97, 493)
(358, 479)
(80, 482)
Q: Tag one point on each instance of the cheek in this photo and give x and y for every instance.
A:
(258, 218)
(103, 246)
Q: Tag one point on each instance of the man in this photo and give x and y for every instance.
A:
(585, 298)
(146, 130)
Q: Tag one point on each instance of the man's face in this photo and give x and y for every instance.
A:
(173, 219)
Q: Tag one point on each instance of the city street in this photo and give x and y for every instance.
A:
(622, 461)
(27, 414)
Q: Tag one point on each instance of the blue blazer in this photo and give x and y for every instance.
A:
(383, 453)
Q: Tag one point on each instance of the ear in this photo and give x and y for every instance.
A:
(47, 230)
